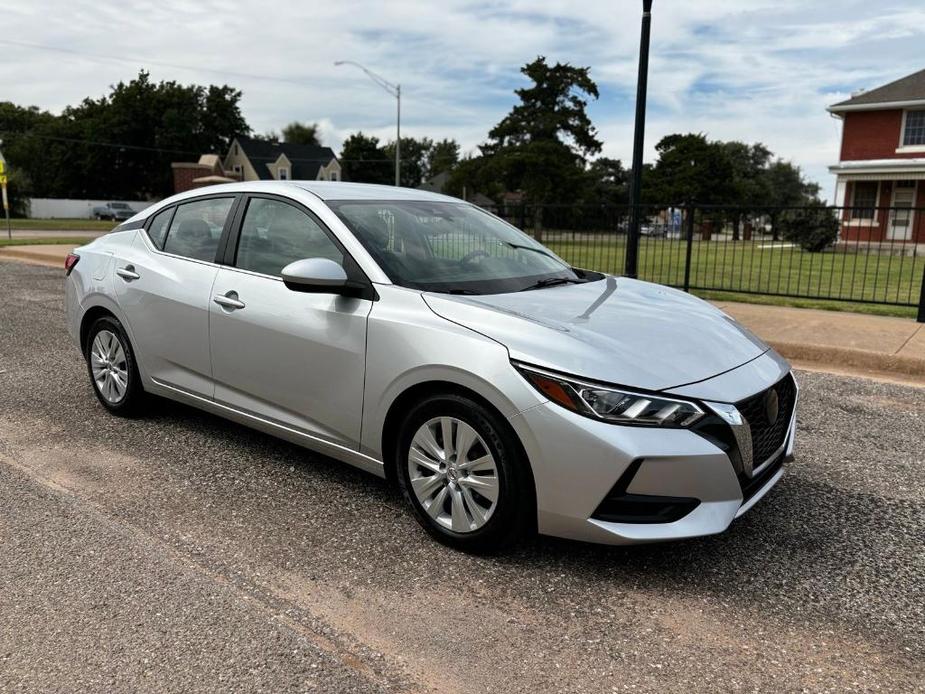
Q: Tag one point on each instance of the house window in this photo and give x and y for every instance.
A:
(914, 132)
(236, 149)
(334, 176)
(282, 173)
(237, 168)
(864, 199)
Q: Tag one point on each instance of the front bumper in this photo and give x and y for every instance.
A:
(578, 463)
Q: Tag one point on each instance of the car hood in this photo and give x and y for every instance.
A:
(615, 330)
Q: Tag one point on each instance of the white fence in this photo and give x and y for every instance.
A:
(59, 208)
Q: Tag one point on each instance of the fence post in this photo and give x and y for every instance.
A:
(689, 224)
(921, 316)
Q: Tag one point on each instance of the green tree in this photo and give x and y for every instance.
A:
(121, 145)
(443, 156)
(786, 185)
(414, 156)
(541, 146)
(749, 164)
(364, 161)
(607, 182)
(689, 168)
(301, 133)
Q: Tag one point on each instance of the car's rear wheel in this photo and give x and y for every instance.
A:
(463, 472)
(112, 368)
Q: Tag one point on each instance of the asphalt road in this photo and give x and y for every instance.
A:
(181, 552)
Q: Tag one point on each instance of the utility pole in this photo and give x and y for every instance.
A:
(632, 241)
(394, 90)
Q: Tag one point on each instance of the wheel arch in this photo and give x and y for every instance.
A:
(417, 392)
(90, 316)
(100, 305)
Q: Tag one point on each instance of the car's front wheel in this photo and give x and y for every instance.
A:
(112, 368)
(464, 474)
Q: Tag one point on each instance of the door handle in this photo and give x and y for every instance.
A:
(128, 273)
(228, 300)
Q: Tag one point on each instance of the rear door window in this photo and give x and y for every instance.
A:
(196, 228)
(157, 229)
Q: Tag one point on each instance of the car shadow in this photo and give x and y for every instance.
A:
(808, 547)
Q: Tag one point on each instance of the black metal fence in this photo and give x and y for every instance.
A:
(863, 255)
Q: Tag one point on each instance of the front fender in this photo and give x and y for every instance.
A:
(409, 345)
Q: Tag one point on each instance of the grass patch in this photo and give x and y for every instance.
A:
(61, 224)
(47, 241)
(732, 268)
(848, 306)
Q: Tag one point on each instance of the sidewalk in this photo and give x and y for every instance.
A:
(837, 340)
(834, 341)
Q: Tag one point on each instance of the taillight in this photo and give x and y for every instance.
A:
(70, 262)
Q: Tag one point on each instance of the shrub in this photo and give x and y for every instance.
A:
(813, 228)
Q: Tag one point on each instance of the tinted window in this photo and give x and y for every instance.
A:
(197, 227)
(275, 234)
(157, 230)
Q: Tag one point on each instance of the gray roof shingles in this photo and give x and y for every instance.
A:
(908, 88)
(305, 159)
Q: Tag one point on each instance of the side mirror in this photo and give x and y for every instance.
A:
(316, 275)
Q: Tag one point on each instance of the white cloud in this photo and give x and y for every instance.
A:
(757, 70)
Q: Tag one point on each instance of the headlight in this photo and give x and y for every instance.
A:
(612, 404)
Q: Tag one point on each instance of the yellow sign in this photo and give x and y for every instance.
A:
(2, 179)
(1, 166)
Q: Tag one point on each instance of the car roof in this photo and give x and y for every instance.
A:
(339, 190)
(325, 190)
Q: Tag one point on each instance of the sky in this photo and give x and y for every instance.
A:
(752, 70)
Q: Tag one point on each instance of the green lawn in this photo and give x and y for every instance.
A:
(730, 268)
(59, 224)
(45, 241)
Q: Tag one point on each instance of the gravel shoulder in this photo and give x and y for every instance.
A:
(180, 551)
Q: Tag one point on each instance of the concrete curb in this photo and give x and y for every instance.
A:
(844, 358)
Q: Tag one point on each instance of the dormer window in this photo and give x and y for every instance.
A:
(914, 129)
(282, 173)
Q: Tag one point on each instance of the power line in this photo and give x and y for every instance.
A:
(163, 150)
(159, 63)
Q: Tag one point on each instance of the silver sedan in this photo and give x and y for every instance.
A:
(420, 338)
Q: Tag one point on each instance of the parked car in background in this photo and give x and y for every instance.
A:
(114, 211)
(427, 341)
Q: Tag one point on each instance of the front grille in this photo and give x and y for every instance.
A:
(767, 436)
(752, 485)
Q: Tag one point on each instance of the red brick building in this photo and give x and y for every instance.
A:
(881, 168)
(206, 172)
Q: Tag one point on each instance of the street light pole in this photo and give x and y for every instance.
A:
(394, 90)
(632, 242)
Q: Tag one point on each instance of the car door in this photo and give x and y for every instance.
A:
(294, 358)
(164, 285)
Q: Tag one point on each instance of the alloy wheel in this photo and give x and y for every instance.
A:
(453, 474)
(109, 366)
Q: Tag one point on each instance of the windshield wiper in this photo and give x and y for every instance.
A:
(521, 246)
(552, 282)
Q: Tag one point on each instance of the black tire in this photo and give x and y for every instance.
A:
(133, 400)
(513, 517)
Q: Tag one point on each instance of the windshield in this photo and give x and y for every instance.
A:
(451, 247)
(118, 205)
